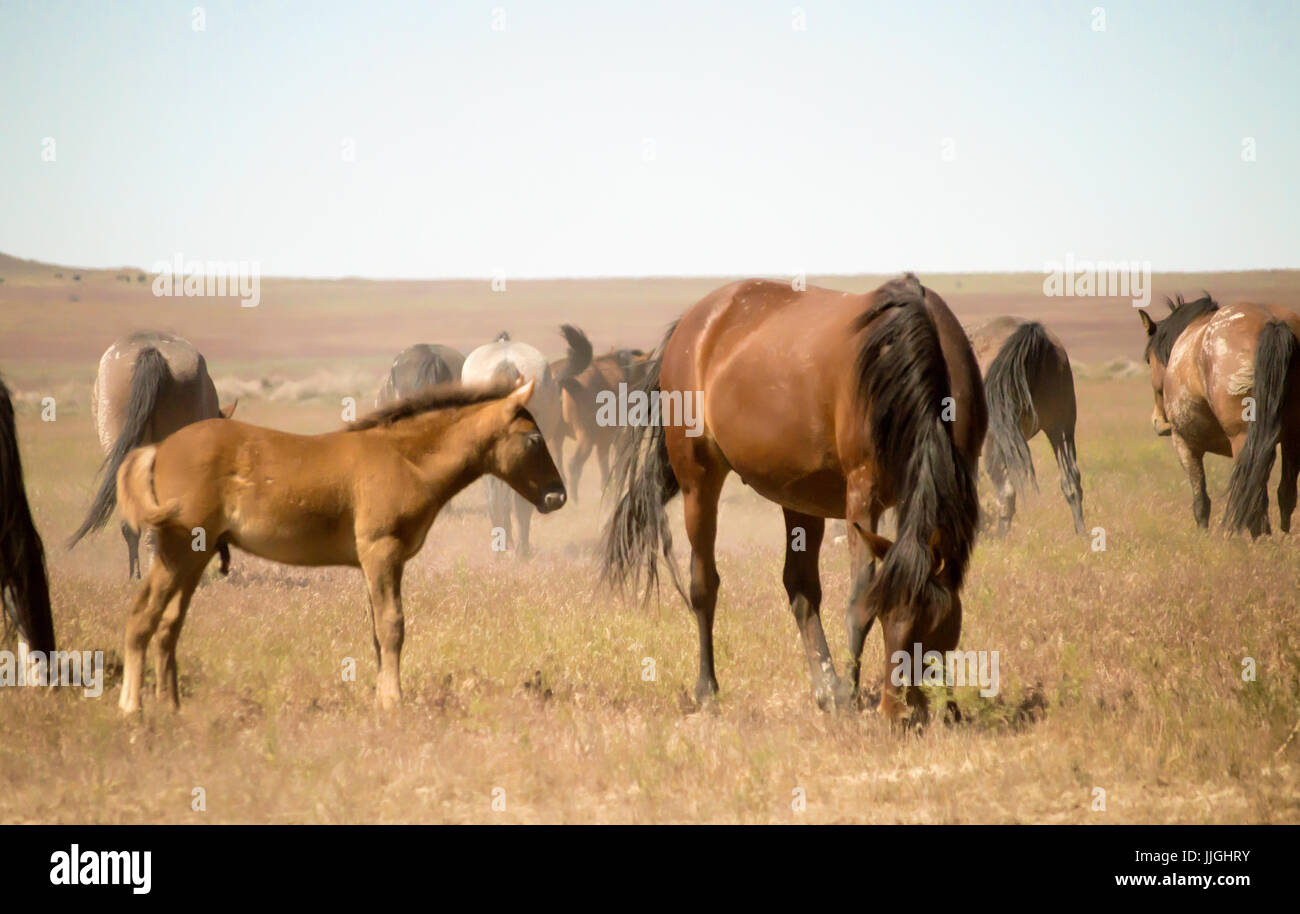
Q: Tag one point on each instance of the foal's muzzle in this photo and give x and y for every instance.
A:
(552, 501)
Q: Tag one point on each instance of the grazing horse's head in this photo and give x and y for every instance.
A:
(1160, 343)
(519, 455)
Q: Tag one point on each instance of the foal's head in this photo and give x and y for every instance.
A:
(518, 453)
(1161, 336)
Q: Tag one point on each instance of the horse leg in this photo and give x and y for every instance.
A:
(132, 538)
(1286, 485)
(580, 455)
(498, 504)
(701, 504)
(524, 517)
(857, 616)
(381, 561)
(1193, 462)
(161, 585)
(1004, 494)
(602, 461)
(1062, 441)
(804, 588)
(169, 633)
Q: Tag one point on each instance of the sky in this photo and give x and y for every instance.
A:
(548, 138)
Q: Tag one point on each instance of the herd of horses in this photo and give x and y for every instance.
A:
(830, 404)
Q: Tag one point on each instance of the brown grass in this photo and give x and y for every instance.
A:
(1120, 669)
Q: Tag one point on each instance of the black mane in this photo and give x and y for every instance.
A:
(444, 396)
(1182, 314)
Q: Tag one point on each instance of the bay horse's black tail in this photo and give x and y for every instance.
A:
(1248, 488)
(904, 388)
(24, 587)
(638, 531)
(148, 376)
(1008, 388)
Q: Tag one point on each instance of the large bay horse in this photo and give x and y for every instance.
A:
(363, 497)
(418, 367)
(1227, 381)
(149, 384)
(507, 361)
(1030, 388)
(24, 588)
(830, 405)
(581, 397)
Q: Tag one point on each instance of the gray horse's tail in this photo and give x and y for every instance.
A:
(1010, 400)
(148, 377)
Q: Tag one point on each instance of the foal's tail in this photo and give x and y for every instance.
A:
(903, 383)
(1248, 489)
(1010, 399)
(134, 483)
(24, 587)
(148, 377)
(638, 531)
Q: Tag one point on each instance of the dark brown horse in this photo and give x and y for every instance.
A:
(1227, 381)
(581, 397)
(417, 368)
(24, 589)
(830, 405)
(1030, 388)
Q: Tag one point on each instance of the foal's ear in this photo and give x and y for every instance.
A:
(520, 396)
(878, 544)
(1147, 322)
(229, 409)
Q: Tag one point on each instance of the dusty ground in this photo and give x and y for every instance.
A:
(1120, 669)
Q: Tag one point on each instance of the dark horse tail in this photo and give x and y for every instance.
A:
(579, 356)
(24, 587)
(638, 531)
(148, 377)
(432, 370)
(905, 391)
(1248, 488)
(1008, 389)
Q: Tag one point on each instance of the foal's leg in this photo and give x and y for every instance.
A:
(1062, 441)
(804, 588)
(381, 561)
(1286, 485)
(1193, 462)
(132, 551)
(169, 632)
(161, 585)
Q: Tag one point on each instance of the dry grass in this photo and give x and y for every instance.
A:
(1120, 669)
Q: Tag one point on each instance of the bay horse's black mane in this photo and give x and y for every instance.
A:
(1182, 313)
(452, 395)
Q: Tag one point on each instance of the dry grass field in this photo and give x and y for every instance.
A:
(524, 683)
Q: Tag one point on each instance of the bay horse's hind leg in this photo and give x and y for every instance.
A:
(857, 615)
(1193, 462)
(132, 551)
(701, 495)
(1286, 485)
(381, 561)
(803, 543)
(1062, 441)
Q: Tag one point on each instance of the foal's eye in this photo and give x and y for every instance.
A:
(534, 439)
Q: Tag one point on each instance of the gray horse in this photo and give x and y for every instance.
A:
(503, 359)
(149, 385)
(422, 365)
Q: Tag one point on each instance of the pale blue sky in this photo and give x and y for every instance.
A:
(774, 150)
